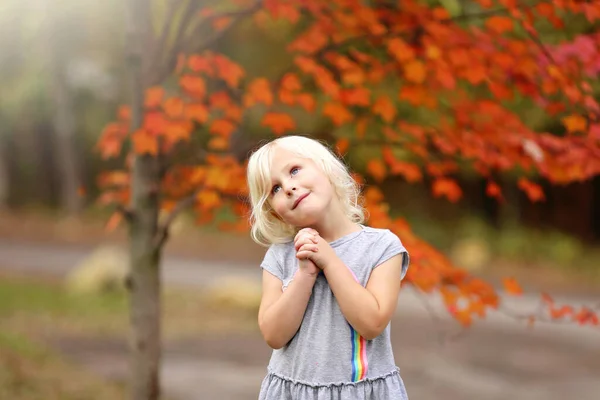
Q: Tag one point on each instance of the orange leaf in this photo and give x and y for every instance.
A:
(218, 143)
(338, 113)
(144, 142)
(173, 107)
(384, 108)
(499, 24)
(376, 169)
(278, 122)
(259, 91)
(400, 50)
(114, 221)
(228, 71)
(194, 85)
(201, 64)
(155, 122)
(291, 82)
(411, 172)
(222, 127)
(493, 190)
(124, 113)
(448, 188)
(196, 111)
(221, 23)
(356, 96)
(154, 97)
(361, 127)
(575, 123)
(511, 286)
(208, 199)
(307, 101)
(342, 146)
(179, 130)
(415, 72)
(417, 95)
(533, 191)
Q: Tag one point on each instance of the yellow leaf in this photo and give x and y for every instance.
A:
(415, 72)
(144, 143)
(278, 122)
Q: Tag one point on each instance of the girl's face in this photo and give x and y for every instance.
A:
(301, 193)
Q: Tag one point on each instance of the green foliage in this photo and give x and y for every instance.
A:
(36, 297)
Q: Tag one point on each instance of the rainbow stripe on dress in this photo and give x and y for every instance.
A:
(359, 361)
(359, 356)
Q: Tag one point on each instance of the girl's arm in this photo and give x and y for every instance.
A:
(280, 313)
(370, 309)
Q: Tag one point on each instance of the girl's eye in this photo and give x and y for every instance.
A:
(275, 189)
(294, 170)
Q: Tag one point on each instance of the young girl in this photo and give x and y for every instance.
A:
(330, 284)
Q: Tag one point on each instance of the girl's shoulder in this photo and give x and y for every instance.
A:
(379, 235)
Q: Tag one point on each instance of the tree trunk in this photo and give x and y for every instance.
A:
(59, 45)
(64, 128)
(4, 182)
(145, 298)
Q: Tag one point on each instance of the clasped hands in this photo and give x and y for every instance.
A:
(313, 251)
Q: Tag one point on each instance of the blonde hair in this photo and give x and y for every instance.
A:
(267, 227)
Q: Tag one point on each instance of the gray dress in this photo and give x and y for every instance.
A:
(327, 359)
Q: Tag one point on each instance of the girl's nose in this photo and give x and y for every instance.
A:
(291, 190)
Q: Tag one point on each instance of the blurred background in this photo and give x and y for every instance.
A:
(63, 310)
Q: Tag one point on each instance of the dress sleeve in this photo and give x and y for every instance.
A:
(271, 262)
(388, 246)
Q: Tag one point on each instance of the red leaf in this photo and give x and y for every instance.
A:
(533, 191)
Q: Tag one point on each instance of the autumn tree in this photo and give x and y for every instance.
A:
(417, 90)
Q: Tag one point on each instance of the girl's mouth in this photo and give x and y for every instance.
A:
(299, 199)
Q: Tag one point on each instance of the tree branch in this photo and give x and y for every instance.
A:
(189, 48)
(162, 233)
(127, 213)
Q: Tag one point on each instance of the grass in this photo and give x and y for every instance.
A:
(33, 311)
(31, 371)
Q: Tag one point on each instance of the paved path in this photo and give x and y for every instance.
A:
(496, 359)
